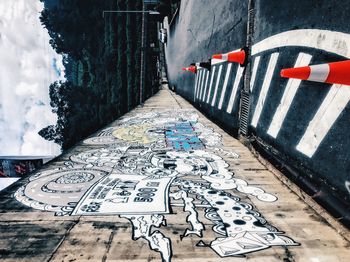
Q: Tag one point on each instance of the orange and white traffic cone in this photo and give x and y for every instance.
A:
(332, 73)
(240, 56)
(192, 69)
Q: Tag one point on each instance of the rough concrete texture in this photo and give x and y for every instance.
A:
(221, 201)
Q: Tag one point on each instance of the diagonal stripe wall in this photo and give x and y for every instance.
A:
(306, 123)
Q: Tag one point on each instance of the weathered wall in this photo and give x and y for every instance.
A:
(305, 124)
(308, 122)
(196, 33)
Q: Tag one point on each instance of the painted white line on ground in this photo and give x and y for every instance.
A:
(234, 89)
(205, 86)
(211, 83)
(216, 86)
(255, 68)
(287, 98)
(330, 109)
(195, 87)
(223, 92)
(265, 88)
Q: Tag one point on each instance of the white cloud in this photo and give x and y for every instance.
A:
(28, 65)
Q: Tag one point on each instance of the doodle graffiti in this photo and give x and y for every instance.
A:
(245, 230)
(58, 190)
(145, 166)
(181, 136)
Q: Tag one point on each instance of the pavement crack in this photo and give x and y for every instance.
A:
(109, 243)
(63, 239)
(190, 30)
(288, 256)
(172, 94)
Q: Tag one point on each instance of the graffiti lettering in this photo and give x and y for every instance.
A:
(139, 165)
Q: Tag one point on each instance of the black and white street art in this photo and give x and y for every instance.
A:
(145, 165)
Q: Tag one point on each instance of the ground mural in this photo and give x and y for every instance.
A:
(144, 165)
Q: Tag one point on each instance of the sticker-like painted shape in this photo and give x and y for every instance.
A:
(330, 109)
(223, 92)
(216, 86)
(126, 194)
(192, 218)
(234, 89)
(287, 98)
(265, 88)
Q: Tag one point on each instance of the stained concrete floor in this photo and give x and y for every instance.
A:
(258, 218)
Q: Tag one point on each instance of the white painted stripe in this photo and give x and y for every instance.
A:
(255, 68)
(265, 88)
(216, 86)
(330, 109)
(205, 86)
(202, 87)
(313, 38)
(195, 87)
(319, 73)
(287, 98)
(224, 57)
(234, 89)
(223, 92)
(211, 83)
(199, 82)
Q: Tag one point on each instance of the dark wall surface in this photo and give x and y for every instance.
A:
(314, 130)
(201, 29)
(304, 123)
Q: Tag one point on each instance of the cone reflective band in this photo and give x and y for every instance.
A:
(332, 73)
(192, 69)
(235, 57)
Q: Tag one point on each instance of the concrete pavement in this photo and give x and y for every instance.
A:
(170, 184)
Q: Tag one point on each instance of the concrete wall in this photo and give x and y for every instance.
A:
(197, 33)
(303, 124)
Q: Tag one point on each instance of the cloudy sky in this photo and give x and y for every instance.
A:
(28, 65)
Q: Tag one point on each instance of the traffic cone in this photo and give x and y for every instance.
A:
(192, 69)
(234, 57)
(332, 73)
